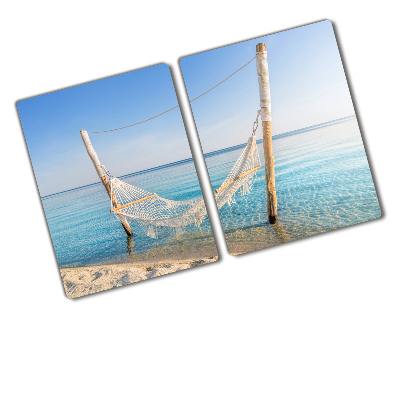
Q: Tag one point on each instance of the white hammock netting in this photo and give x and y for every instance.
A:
(151, 210)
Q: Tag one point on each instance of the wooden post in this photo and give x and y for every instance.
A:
(265, 103)
(103, 177)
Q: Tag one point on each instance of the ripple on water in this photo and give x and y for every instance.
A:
(323, 182)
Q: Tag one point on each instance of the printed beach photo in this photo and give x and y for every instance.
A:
(117, 181)
(282, 121)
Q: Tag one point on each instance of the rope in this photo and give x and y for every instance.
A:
(153, 213)
(173, 108)
(138, 123)
(223, 80)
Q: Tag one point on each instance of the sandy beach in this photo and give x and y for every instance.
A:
(87, 280)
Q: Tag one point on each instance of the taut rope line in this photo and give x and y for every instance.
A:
(209, 90)
(173, 108)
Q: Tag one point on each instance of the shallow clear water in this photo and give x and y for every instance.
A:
(85, 233)
(323, 182)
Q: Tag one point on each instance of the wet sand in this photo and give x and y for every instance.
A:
(87, 280)
(252, 239)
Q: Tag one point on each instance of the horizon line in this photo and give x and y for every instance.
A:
(210, 154)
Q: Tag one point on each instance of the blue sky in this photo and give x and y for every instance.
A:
(308, 85)
(52, 124)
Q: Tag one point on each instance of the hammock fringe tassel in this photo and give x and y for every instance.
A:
(152, 211)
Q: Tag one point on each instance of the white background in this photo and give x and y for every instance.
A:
(314, 319)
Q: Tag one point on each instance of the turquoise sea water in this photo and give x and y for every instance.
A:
(323, 182)
(85, 233)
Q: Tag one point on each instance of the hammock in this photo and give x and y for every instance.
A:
(151, 210)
